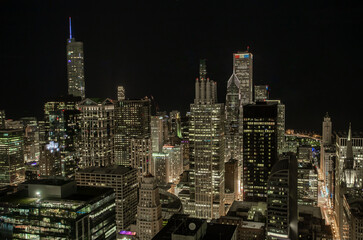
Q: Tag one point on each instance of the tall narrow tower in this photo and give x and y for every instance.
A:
(327, 130)
(242, 67)
(206, 141)
(75, 66)
(149, 221)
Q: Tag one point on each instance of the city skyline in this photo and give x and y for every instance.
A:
(304, 82)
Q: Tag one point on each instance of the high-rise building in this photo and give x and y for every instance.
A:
(157, 133)
(280, 125)
(242, 68)
(141, 155)
(206, 142)
(259, 148)
(174, 162)
(175, 125)
(50, 161)
(132, 121)
(31, 140)
(2, 119)
(120, 93)
(123, 180)
(57, 209)
(12, 167)
(149, 220)
(97, 132)
(261, 93)
(282, 212)
(327, 130)
(75, 66)
(233, 126)
(159, 166)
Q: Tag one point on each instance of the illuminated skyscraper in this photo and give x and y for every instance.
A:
(97, 132)
(242, 68)
(327, 130)
(233, 126)
(261, 93)
(75, 66)
(206, 138)
(141, 155)
(259, 148)
(282, 213)
(120, 93)
(2, 119)
(132, 121)
(12, 167)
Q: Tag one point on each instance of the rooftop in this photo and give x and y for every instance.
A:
(217, 231)
(115, 170)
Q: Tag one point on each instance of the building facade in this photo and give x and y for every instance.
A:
(12, 167)
(132, 121)
(282, 212)
(97, 132)
(206, 143)
(149, 220)
(259, 148)
(124, 182)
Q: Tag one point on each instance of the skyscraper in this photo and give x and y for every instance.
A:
(259, 148)
(132, 121)
(120, 93)
(282, 212)
(233, 126)
(242, 68)
(261, 93)
(206, 136)
(75, 66)
(141, 155)
(327, 130)
(12, 167)
(97, 132)
(149, 221)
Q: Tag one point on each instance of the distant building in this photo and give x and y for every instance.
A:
(31, 140)
(261, 93)
(282, 213)
(12, 167)
(2, 119)
(75, 66)
(259, 148)
(124, 181)
(149, 221)
(97, 132)
(132, 121)
(327, 130)
(120, 93)
(157, 133)
(243, 69)
(174, 162)
(59, 209)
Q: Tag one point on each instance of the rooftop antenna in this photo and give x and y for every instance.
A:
(70, 28)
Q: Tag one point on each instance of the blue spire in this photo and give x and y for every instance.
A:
(70, 28)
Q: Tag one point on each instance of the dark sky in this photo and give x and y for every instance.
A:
(309, 53)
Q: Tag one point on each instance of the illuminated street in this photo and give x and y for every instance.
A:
(325, 205)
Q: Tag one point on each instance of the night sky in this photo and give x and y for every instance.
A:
(309, 53)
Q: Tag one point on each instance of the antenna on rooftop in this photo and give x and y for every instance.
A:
(70, 28)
